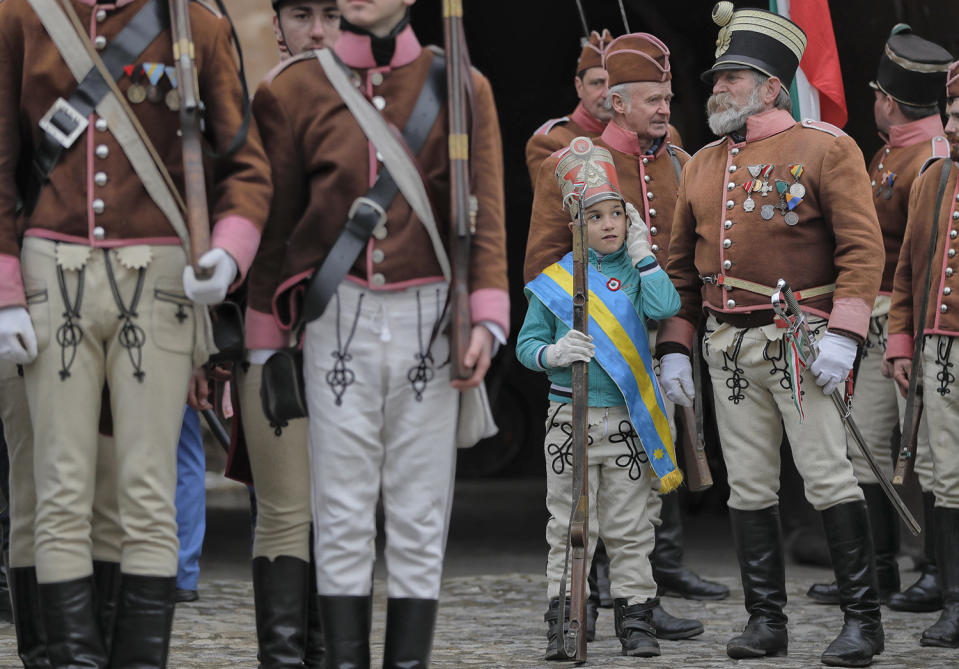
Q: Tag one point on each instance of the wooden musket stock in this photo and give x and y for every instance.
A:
(198, 217)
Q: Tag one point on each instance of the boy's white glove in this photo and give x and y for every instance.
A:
(574, 346)
(18, 341)
(676, 378)
(637, 236)
(837, 354)
(211, 290)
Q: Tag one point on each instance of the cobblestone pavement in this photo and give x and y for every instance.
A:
(495, 621)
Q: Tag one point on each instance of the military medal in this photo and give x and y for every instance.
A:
(173, 95)
(888, 179)
(791, 218)
(797, 189)
(136, 93)
(787, 202)
(749, 204)
(761, 172)
(154, 72)
(767, 211)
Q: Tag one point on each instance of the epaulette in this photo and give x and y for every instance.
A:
(929, 163)
(680, 149)
(550, 124)
(283, 64)
(708, 146)
(213, 10)
(940, 149)
(822, 126)
(441, 52)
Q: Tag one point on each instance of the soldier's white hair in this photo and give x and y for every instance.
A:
(622, 90)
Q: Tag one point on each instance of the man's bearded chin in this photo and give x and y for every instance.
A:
(724, 117)
(953, 146)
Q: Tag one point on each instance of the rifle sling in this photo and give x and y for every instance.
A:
(124, 49)
(366, 211)
(909, 416)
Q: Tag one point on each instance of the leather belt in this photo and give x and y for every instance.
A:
(760, 289)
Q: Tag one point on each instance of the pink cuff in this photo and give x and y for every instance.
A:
(851, 314)
(677, 330)
(11, 283)
(240, 238)
(490, 304)
(899, 346)
(262, 331)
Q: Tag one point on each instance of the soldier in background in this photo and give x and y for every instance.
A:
(910, 78)
(289, 631)
(939, 353)
(773, 199)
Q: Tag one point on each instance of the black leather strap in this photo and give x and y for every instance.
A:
(124, 49)
(364, 216)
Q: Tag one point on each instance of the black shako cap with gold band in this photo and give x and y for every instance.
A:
(756, 39)
(912, 70)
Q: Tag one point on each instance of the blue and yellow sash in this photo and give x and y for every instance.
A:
(622, 349)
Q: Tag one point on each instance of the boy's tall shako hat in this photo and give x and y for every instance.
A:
(912, 70)
(952, 81)
(637, 57)
(593, 50)
(586, 175)
(757, 39)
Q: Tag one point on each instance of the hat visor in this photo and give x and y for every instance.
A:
(735, 62)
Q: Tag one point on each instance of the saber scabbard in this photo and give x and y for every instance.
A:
(786, 307)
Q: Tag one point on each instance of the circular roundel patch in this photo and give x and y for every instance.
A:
(613, 284)
(581, 146)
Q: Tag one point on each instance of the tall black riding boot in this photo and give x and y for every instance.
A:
(853, 561)
(28, 618)
(69, 617)
(346, 630)
(409, 632)
(759, 548)
(945, 632)
(281, 595)
(315, 649)
(923, 595)
(106, 581)
(634, 627)
(144, 622)
(885, 538)
(672, 578)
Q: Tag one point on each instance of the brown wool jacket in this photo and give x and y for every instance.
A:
(647, 181)
(907, 148)
(556, 134)
(942, 316)
(322, 161)
(836, 240)
(33, 75)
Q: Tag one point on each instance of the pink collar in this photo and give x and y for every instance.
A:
(355, 50)
(626, 141)
(768, 123)
(587, 121)
(914, 132)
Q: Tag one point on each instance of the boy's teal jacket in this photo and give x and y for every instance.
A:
(651, 292)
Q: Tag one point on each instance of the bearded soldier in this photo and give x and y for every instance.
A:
(287, 613)
(590, 116)
(648, 166)
(939, 355)
(95, 292)
(774, 198)
(382, 417)
(910, 77)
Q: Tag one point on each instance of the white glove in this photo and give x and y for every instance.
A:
(676, 378)
(837, 354)
(574, 346)
(637, 236)
(18, 341)
(212, 289)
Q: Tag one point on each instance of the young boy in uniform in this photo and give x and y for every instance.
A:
(630, 449)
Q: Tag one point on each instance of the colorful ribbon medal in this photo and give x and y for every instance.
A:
(749, 204)
(173, 95)
(888, 179)
(797, 188)
(787, 202)
(154, 72)
(136, 93)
